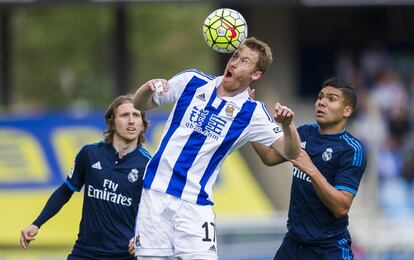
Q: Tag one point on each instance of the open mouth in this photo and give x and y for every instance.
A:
(228, 74)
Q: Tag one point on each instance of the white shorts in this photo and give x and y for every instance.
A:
(169, 226)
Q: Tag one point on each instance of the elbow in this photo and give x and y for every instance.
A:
(341, 213)
(292, 155)
(138, 105)
(268, 162)
(270, 159)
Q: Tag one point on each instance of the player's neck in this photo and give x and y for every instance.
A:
(123, 147)
(331, 129)
(223, 92)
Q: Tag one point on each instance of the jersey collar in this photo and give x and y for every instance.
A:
(238, 100)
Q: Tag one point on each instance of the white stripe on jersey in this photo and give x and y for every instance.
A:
(202, 129)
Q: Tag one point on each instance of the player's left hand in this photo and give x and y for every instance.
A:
(27, 235)
(131, 246)
(283, 114)
(304, 163)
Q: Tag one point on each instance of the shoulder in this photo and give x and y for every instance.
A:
(353, 145)
(94, 148)
(260, 109)
(190, 73)
(308, 129)
(144, 153)
(351, 142)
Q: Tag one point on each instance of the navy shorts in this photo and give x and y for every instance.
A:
(74, 256)
(293, 250)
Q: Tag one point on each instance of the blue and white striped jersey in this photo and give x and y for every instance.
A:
(202, 129)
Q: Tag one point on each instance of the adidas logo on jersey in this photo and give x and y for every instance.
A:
(213, 248)
(97, 165)
(202, 97)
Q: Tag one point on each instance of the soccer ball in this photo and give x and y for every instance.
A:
(224, 30)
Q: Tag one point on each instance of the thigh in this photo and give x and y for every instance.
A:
(79, 257)
(341, 250)
(195, 235)
(152, 258)
(154, 227)
(288, 250)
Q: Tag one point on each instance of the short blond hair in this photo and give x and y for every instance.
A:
(264, 51)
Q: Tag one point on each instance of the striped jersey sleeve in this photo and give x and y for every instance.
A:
(263, 129)
(352, 164)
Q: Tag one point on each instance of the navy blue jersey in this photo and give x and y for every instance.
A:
(341, 159)
(112, 191)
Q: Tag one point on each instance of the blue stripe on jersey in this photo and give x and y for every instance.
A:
(71, 186)
(211, 77)
(180, 108)
(357, 160)
(190, 152)
(359, 147)
(346, 252)
(266, 112)
(241, 121)
(144, 152)
(339, 187)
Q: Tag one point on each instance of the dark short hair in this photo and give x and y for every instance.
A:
(264, 51)
(110, 117)
(346, 88)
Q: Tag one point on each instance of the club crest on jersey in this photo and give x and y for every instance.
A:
(133, 175)
(327, 155)
(229, 110)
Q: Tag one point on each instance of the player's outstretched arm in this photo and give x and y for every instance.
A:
(27, 235)
(55, 202)
(337, 201)
(289, 145)
(143, 97)
(268, 155)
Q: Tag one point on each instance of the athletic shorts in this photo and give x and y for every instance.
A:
(293, 250)
(169, 226)
(75, 256)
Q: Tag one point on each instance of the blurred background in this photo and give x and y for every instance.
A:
(62, 62)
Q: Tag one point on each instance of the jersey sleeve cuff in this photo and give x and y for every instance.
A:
(339, 187)
(73, 188)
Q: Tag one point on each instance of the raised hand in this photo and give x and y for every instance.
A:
(283, 114)
(158, 85)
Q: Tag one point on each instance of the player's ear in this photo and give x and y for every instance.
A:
(256, 75)
(348, 111)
